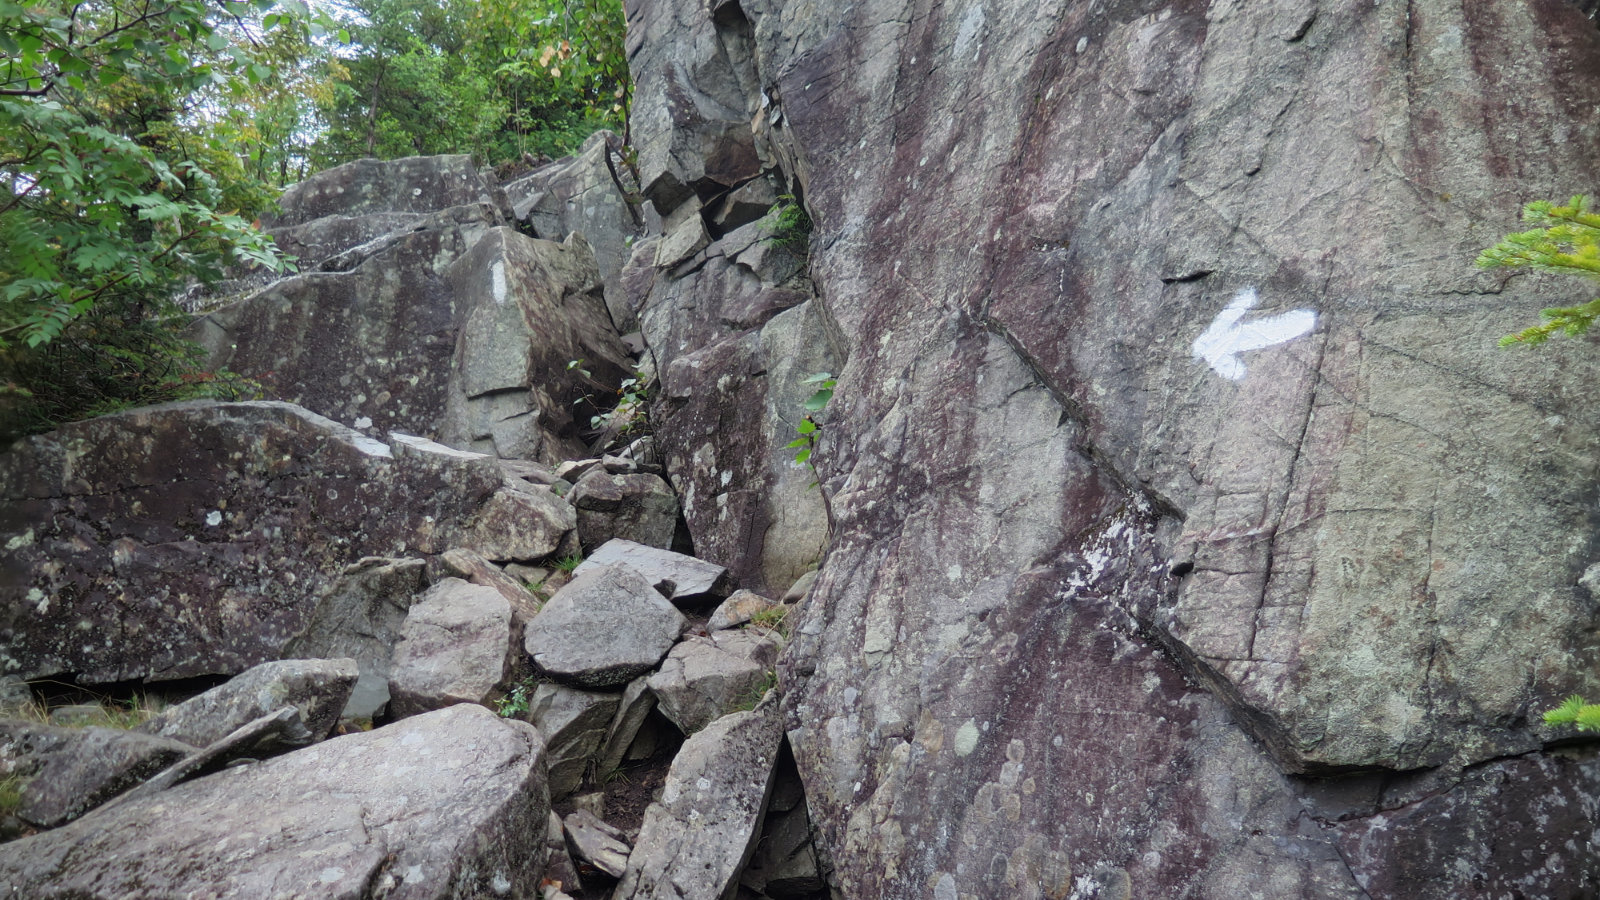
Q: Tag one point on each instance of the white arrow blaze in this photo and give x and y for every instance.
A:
(1226, 338)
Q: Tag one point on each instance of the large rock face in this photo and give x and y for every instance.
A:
(202, 538)
(387, 813)
(1173, 459)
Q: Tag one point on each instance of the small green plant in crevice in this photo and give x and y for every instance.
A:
(789, 225)
(808, 429)
(569, 564)
(1566, 241)
(774, 619)
(752, 698)
(11, 794)
(1575, 712)
(515, 702)
(539, 590)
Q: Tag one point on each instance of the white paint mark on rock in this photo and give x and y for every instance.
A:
(497, 282)
(1221, 343)
(214, 518)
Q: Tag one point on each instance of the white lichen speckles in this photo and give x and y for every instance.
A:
(945, 888)
(966, 739)
(20, 541)
(40, 601)
(214, 518)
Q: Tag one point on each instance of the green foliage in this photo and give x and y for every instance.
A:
(116, 194)
(569, 564)
(11, 794)
(753, 697)
(1566, 240)
(516, 702)
(774, 619)
(501, 79)
(789, 225)
(808, 429)
(1575, 712)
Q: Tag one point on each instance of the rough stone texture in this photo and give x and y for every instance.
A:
(681, 578)
(371, 342)
(202, 538)
(1088, 597)
(738, 609)
(574, 725)
(639, 508)
(359, 618)
(373, 187)
(453, 648)
(734, 339)
(87, 767)
(527, 308)
(704, 678)
(603, 628)
(580, 194)
(597, 843)
(632, 710)
(317, 688)
(385, 812)
(717, 790)
(520, 523)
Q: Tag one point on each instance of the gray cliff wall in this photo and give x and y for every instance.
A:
(1190, 537)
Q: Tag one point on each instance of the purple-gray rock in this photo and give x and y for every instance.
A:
(202, 538)
(603, 628)
(574, 725)
(597, 843)
(715, 792)
(450, 804)
(317, 688)
(371, 187)
(640, 508)
(74, 770)
(682, 578)
(704, 678)
(453, 648)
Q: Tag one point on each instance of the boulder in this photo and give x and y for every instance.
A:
(317, 688)
(633, 708)
(740, 608)
(453, 648)
(205, 538)
(520, 524)
(605, 627)
(385, 812)
(83, 768)
(716, 791)
(683, 579)
(367, 187)
(581, 193)
(639, 508)
(597, 843)
(359, 617)
(704, 678)
(560, 871)
(536, 354)
(372, 342)
(574, 725)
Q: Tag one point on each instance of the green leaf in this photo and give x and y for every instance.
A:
(1566, 713)
(818, 378)
(818, 401)
(806, 426)
(803, 456)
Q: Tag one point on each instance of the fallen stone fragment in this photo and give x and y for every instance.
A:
(603, 628)
(574, 725)
(784, 865)
(800, 588)
(520, 525)
(597, 843)
(453, 648)
(640, 508)
(450, 804)
(360, 618)
(703, 678)
(272, 730)
(681, 578)
(317, 688)
(632, 710)
(716, 791)
(470, 566)
(90, 766)
(739, 608)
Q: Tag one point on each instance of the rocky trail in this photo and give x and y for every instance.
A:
(1175, 528)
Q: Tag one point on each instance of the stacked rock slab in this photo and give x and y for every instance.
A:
(418, 309)
(204, 538)
(385, 812)
(1173, 459)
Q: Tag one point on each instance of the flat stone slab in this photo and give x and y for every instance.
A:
(452, 649)
(704, 678)
(450, 804)
(87, 767)
(318, 688)
(680, 578)
(716, 792)
(574, 724)
(603, 628)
